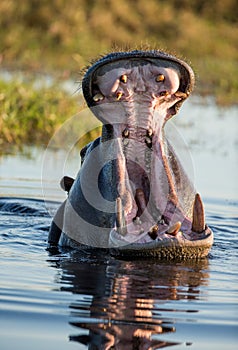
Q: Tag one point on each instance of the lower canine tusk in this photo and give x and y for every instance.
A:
(198, 224)
(120, 219)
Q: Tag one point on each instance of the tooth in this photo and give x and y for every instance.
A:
(98, 97)
(153, 232)
(119, 95)
(126, 132)
(120, 219)
(148, 141)
(198, 224)
(123, 78)
(149, 132)
(125, 141)
(160, 78)
(181, 94)
(161, 221)
(174, 229)
(137, 220)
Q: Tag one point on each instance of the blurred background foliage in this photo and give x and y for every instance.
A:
(61, 37)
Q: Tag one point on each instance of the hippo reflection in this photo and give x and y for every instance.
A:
(128, 304)
(132, 194)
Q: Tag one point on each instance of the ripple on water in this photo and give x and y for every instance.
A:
(90, 300)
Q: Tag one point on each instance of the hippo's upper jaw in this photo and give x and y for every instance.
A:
(155, 208)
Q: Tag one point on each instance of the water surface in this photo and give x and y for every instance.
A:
(66, 300)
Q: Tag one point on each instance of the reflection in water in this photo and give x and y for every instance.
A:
(127, 305)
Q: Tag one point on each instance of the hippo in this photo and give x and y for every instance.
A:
(132, 195)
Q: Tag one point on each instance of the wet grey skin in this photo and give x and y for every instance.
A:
(132, 195)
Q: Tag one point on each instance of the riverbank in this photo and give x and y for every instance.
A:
(61, 40)
(32, 111)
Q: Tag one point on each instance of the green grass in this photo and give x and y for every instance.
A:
(30, 115)
(60, 38)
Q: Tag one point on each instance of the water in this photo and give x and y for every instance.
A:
(93, 301)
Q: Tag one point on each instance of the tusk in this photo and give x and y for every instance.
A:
(119, 95)
(174, 229)
(120, 219)
(181, 94)
(198, 224)
(98, 97)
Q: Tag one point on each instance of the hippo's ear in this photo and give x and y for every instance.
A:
(66, 183)
(83, 153)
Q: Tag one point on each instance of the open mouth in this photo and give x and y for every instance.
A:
(134, 97)
(156, 200)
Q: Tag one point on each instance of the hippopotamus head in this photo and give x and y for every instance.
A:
(148, 204)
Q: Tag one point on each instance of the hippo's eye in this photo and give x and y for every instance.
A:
(123, 78)
(160, 78)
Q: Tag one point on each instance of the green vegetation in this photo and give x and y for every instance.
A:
(31, 115)
(60, 38)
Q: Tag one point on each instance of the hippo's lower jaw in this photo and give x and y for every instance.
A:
(171, 248)
(164, 240)
(165, 246)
